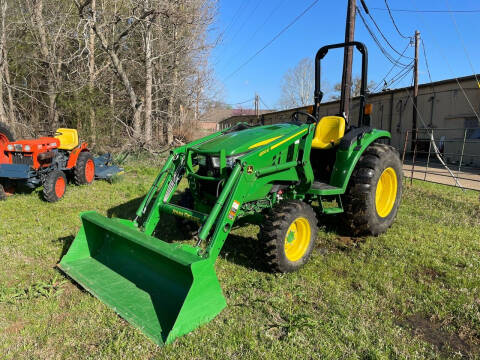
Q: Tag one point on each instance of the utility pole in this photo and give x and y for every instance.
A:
(257, 101)
(415, 91)
(346, 89)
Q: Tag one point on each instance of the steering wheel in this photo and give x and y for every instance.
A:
(310, 118)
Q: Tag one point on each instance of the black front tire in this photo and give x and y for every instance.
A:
(274, 235)
(82, 173)
(54, 186)
(361, 213)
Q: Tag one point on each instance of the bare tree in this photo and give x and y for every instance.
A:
(122, 69)
(91, 65)
(356, 85)
(3, 59)
(297, 85)
(148, 39)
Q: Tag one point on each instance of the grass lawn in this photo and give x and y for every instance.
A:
(413, 292)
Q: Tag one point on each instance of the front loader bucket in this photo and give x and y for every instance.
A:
(166, 290)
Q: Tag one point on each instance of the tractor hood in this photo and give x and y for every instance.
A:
(238, 142)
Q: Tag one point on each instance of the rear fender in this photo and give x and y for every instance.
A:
(72, 159)
(349, 152)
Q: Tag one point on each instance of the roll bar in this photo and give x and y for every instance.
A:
(318, 94)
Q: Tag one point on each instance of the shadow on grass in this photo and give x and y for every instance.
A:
(344, 240)
(166, 229)
(244, 251)
(126, 210)
(66, 241)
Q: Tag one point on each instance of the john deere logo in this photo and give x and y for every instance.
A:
(250, 169)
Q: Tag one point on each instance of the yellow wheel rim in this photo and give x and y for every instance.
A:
(386, 192)
(297, 239)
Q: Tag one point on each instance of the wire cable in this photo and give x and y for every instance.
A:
(248, 41)
(400, 75)
(379, 30)
(242, 102)
(245, 21)
(388, 73)
(379, 44)
(428, 11)
(394, 23)
(427, 67)
(266, 106)
(432, 139)
(235, 18)
(272, 40)
(463, 44)
(456, 78)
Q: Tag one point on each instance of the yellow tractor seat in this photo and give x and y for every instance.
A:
(68, 138)
(329, 132)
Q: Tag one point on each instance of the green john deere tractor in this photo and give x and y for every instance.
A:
(168, 289)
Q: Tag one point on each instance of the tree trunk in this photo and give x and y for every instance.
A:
(136, 105)
(3, 60)
(91, 70)
(148, 85)
(11, 106)
(172, 97)
(45, 52)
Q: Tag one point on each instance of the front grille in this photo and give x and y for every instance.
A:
(21, 159)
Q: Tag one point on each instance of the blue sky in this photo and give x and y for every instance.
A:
(248, 25)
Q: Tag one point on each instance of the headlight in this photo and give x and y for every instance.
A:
(10, 147)
(216, 162)
(230, 160)
(27, 148)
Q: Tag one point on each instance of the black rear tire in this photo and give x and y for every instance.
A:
(6, 136)
(82, 172)
(52, 186)
(5, 130)
(360, 204)
(275, 234)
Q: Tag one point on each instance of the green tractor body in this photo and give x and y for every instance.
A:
(168, 289)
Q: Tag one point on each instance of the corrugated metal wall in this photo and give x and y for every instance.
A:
(441, 105)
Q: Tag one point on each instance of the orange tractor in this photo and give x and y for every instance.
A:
(49, 161)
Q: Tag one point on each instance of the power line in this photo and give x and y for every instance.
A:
(279, 4)
(380, 31)
(463, 44)
(400, 75)
(432, 139)
(242, 102)
(379, 44)
(235, 18)
(266, 106)
(388, 73)
(456, 79)
(394, 23)
(428, 11)
(272, 40)
(243, 4)
(426, 61)
(245, 21)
